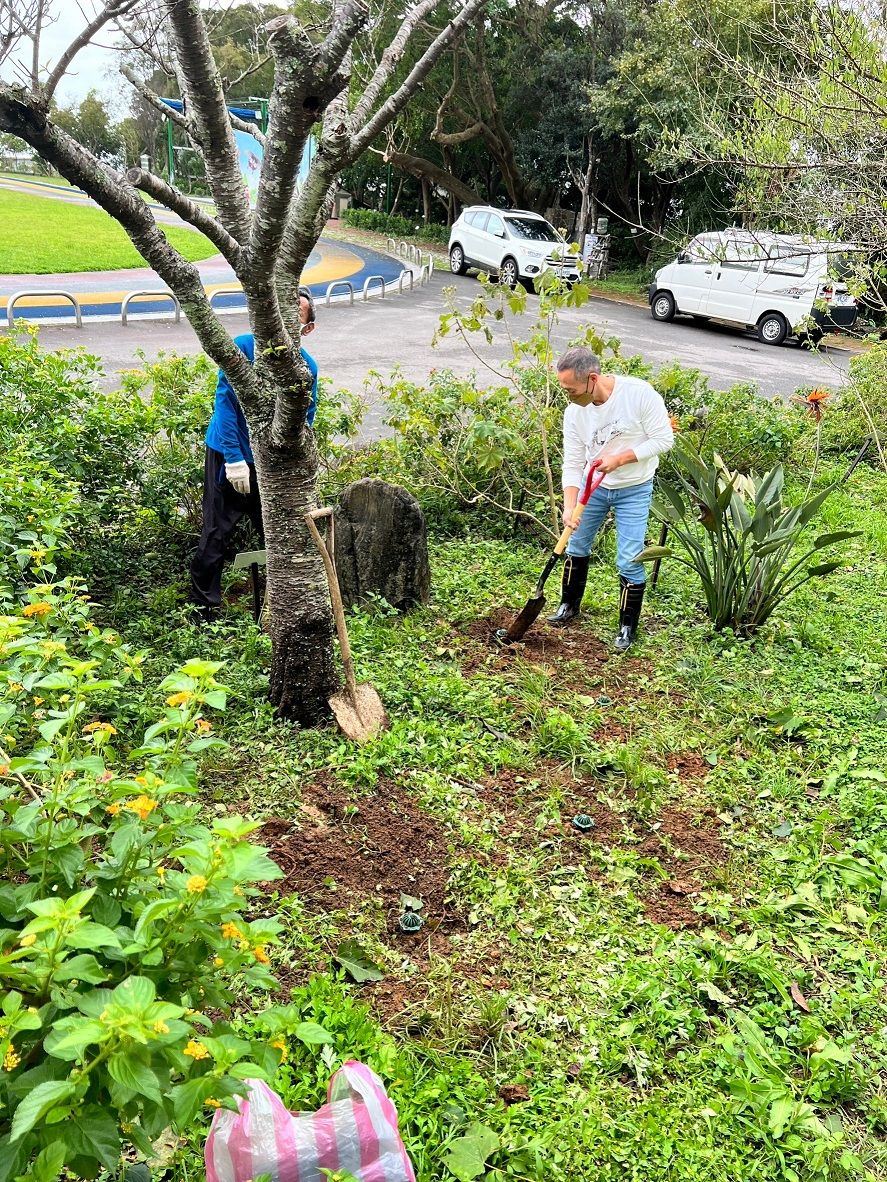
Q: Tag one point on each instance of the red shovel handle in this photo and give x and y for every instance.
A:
(592, 482)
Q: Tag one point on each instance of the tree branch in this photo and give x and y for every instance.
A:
(206, 101)
(23, 116)
(188, 210)
(397, 101)
(417, 166)
(250, 128)
(111, 11)
(390, 58)
(178, 117)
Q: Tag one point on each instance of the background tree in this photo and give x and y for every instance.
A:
(267, 248)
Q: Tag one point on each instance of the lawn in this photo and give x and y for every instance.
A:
(45, 236)
(692, 988)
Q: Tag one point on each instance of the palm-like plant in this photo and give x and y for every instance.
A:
(749, 550)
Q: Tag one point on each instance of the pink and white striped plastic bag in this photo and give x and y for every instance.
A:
(355, 1131)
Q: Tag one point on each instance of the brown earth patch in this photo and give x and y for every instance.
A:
(541, 643)
(343, 851)
(688, 848)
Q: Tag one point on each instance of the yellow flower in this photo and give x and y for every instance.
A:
(4, 769)
(39, 701)
(218, 962)
(196, 1050)
(37, 609)
(16, 687)
(161, 873)
(113, 809)
(280, 1045)
(179, 699)
(211, 1102)
(203, 726)
(196, 884)
(27, 941)
(230, 931)
(143, 805)
(11, 1060)
(261, 955)
(100, 726)
(237, 891)
(160, 1027)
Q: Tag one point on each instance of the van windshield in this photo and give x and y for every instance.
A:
(535, 229)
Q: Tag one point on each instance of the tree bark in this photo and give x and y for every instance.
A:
(426, 170)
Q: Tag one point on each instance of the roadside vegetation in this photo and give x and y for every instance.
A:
(690, 986)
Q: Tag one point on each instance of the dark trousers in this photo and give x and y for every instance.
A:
(223, 507)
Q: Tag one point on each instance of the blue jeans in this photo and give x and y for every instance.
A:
(631, 509)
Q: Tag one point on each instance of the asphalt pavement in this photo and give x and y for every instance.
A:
(397, 332)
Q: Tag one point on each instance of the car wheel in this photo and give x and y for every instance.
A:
(772, 328)
(457, 260)
(508, 273)
(662, 306)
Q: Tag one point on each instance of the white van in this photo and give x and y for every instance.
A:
(779, 284)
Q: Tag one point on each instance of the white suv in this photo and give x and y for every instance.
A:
(514, 244)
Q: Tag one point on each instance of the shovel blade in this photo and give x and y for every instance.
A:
(527, 616)
(362, 717)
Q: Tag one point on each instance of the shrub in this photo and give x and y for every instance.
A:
(395, 225)
(121, 914)
(859, 411)
(740, 539)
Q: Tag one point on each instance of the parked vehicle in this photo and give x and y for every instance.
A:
(779, 284)
(514, 244)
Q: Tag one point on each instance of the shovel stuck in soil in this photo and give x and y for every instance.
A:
(358, 708)
(529, 613)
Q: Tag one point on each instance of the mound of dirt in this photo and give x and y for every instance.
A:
(541, 643)
(342, 851)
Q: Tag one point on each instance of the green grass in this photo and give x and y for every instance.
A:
(44, 236)
(649, 1053)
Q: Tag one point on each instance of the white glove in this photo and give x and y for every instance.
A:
(237, 476)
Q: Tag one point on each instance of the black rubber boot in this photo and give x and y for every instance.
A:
(631, 597)
(575, 577)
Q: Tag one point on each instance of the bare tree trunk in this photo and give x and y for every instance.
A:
(426, 201)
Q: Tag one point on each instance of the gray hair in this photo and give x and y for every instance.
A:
(581, 360)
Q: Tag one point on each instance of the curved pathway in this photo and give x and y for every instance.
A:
(100, 293)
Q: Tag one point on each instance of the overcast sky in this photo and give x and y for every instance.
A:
(94, 68)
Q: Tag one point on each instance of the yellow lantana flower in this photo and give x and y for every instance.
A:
(230, 931)
(195, 1050)
(28, 941)
(211, 1102)
(143, 805)
(280, 1045)
(261, 955)
(179, 699)
(11, 1060)
(113, 809)
(196, 884)
(37, 609)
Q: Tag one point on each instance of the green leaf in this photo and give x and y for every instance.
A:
(37, 1104)
(48, 1164)
(410, 903)
(135, 993)
(135, 1075)
(651, 553)
(70, 1038)
(356, 962)
(841, 535)
(92, 935)
(95, 1134)
(468, 1154)
(824, 568)
(81, 968)
(312, 1034)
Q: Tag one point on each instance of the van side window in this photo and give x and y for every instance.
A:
(795, 265)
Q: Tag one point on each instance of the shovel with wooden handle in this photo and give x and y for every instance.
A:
(534, 605)
(358, 709)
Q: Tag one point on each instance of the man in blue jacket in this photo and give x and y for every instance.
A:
(230, 488)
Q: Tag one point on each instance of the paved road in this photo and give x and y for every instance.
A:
(397, 331)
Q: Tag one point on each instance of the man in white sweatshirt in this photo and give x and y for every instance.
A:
(621, 424)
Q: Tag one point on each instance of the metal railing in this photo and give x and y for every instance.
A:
(146, 294)
(34, 292)
(339, 283)
(225, 291)
(380, 279)
(391, 245)
(400, 281)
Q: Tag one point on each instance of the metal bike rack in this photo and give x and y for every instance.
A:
(404, 249)
(401, 277)
(28, 293)
(390, 246)
(339, 283)
(226, 291)
(380, 279)
(146, 294)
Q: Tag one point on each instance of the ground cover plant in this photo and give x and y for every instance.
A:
(690, 988)
(45, 236)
